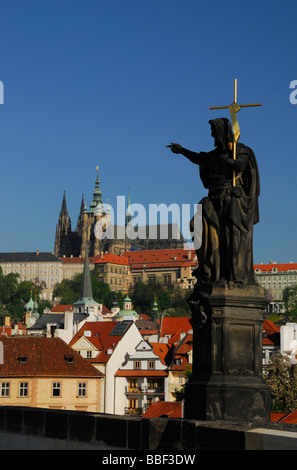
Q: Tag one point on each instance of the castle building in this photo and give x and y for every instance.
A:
(275, 278)
(70, 242)
(92, 225)
(43, 268)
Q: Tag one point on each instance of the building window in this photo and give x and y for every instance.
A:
(136, 364)
(23, 389)
(5, 389)
(167, 280)
(132, 384)
(82, 389)
(89, 354)
(56, 390)
(149, 401)
(151, 364)
(132, 404)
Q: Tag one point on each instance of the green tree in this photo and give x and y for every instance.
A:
(142, 298)
(42, 304)
(143, 295)
(170, 301)
(290, 300)
(8, 287)
(101, 291)
(25, 290)
(280, 376)
(69, 290)
(65, 291)
(180, 304)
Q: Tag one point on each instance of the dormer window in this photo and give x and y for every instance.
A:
(22, 359)
(69, 358)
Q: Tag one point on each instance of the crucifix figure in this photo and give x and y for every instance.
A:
(231, 208)
(234, 108)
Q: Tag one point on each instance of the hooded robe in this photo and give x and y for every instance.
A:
(228, 216)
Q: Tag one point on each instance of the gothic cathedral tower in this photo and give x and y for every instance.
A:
(63, 245)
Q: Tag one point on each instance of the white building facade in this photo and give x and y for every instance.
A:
(142, 381)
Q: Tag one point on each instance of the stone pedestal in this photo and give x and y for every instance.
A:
(227, 382)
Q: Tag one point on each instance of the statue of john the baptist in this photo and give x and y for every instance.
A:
(230, 210)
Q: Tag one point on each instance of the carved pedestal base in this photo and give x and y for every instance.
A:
(227, 383)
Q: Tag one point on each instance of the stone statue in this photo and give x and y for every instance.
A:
(230, 210)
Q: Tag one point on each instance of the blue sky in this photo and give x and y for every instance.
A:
(112, 82)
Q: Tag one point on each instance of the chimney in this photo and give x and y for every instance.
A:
(68, 320)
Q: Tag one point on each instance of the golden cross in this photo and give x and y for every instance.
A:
(234, 108)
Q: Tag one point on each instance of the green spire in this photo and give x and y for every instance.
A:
(29, 306)
(96, 194)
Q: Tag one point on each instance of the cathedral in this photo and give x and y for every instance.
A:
(70, 242)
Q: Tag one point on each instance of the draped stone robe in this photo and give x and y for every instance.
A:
(228, 215)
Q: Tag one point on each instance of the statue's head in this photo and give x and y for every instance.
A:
(221, 130)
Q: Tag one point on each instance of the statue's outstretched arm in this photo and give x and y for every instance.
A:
(194, 157)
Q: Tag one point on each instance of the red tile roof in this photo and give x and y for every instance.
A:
(6, 330)
(174, 326)
(110, 258)
(42, 357)
(281, 267)
(276, 416)
(61, 308)
(270, 327)
(271, 333)
(185, 345)
(181, 353)
(164, 351)
(183, 366)
(161, 258)
(101, 338)
(289, 418)
(164, 408)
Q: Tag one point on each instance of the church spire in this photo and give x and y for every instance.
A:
(96, 194)
(128, 211)
(86, 287)
(64, 206)
(86, 304)
(79, 225)
(63, 245)
(82, 205)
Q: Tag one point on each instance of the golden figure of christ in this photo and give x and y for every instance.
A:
(234, 108)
